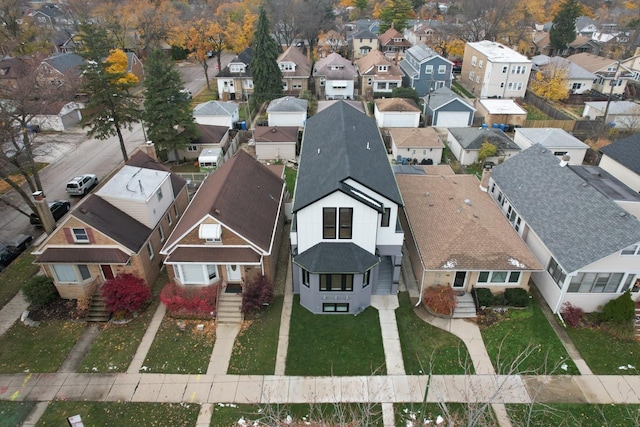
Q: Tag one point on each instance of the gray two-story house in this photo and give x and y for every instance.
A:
(425, 70)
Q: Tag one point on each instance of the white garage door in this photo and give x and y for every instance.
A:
(451, 119)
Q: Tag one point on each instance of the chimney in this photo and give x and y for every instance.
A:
(564, 160)
(43, 211)
(149, 149)
(484, 181)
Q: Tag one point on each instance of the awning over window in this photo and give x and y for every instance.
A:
(336, 258)
(210, 231)
(83, 255)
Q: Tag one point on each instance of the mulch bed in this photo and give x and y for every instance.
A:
(60, 309)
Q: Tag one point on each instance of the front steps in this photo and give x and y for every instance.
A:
(229, 308)
(465, 308)
(97, 309)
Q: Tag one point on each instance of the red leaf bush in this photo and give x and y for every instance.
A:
(256, 296)
(440, 299)
(193, 302)
(125, 294)
(571, 314)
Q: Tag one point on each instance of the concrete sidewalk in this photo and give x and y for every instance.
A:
(12, 311)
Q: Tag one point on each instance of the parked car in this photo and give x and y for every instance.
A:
(81, 184)
(58, 208)
(10, 249)
(186, 94)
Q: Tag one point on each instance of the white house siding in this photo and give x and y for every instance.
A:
(288, 119)
(226, 121)
(276, 150)
(626, 176)
(339, 89)
(420, 153)
(455, 147)
(451, 119)
(365, 219)
(228, 88)
(576, 154)
(392, 119)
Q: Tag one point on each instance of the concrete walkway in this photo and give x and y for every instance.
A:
(226, 334)
(285, 320)
(12, 312)
(147, 340)
(386, 306)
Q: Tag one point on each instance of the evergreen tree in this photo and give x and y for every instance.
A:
(167, 112)
(395, 13)
(266, 75)
(111, 106)
(563, 30)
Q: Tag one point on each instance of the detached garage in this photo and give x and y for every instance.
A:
(397, 113)
(444, 108)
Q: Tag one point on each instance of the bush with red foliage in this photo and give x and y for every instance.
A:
(125, 294)
(440, 299)
(571, 314)
(194, 302)
(256, 296)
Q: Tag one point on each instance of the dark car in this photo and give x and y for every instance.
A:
(58, 208)
(10, 249)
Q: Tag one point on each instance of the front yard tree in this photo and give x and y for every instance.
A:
(563, 30)
(111, 106)
(202, 37)
(395, 14)
(267, 77)
(551, 83)
(167, 112)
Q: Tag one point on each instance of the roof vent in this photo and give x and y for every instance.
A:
(467, 201)
(368, 148)
(216, 211)
(623, 214)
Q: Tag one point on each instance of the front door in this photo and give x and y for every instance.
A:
(458, 282)
(107, 272)
(233, 273)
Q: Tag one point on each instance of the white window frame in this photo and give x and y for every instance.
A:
(474, 60)
(493, 278)
(634, 249)
(71, 273)
(150, 249)
(209, 274)
(428, 69)
(442, 69)
(161, 233)
(80, 235)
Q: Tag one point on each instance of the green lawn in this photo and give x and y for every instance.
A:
(341, 344)
(590, 344)
(290, 178)
(427, 349)
(15, 275)
(181, 352)
(98, 414)
(37, 349)
(14, 413)
(535, 114)
(365, 414)
(255, 348)
(116, 345)
(508, 340)
(461, 90)
(574, 414)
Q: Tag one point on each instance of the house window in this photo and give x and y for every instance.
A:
(559, 153)
(474, 60)
(159, 194)
(192, 148)
(519, 69)
(386, 214)
(383, 67)
(428, 69)
(442, 69)
(150, 249)
(499, 277)
(306, 279)
(197, 274)
(80, 235)
(556, 272)
(297, 86)
(169, 220)
(161, 233)
(576, 86)
(366, 279)
(346, 223)
(335, 307)
(329, 223)
(68, 273)
(514, 86)
(175, 211)
(336, 282)
(595, 282)
(481, 63)
(631, 250)
(471, 75)
(369, 81)
(504, 69)
(477, 79)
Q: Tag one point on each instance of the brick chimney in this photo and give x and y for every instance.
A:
(42, 208)
(149, 149)
(484, 181)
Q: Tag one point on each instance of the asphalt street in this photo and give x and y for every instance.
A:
(72, 153)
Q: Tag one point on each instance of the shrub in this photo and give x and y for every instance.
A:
(625, 331)
(484, 297)
(125, 294)
(440, 299)
(619, 310)
(516, 297)
(40, 290)
(571, 314)
(256, 296)
(189, 302)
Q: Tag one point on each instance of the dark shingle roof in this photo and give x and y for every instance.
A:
(111, 221)
(574, 221)
(625, 151)
(472, 138)
(83, 255)
(341, 143)
(65, 62)
(328, 257)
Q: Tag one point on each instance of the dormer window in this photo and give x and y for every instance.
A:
(383, 68)
(287, 66)
(210, 233)
(397, 40)
(336, 67)
(236, 68)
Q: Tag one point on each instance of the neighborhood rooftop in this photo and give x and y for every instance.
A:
(625, 151)
(497, 52)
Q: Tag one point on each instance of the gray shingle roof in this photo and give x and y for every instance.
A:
(574, 221)
(340, 143)
(443, 96)
(215, 108)
(324, 68)
(65, 62)
(287, 104)
(625, 151)
(551, 137)
(328, 257)
(472, 138)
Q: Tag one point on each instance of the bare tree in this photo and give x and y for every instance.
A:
(283, 20)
